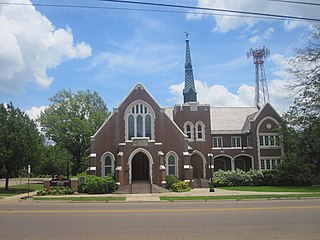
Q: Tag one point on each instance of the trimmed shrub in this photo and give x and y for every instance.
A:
(97, 185)
(181, 186)
(170, 180)
(55, 191)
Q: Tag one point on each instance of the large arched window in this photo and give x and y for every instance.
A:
(139, 120)
(107, 164)
(188, 130)
(200, 136)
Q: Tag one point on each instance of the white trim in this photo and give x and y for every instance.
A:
(93, 155)
(258, 136)
(150, 159)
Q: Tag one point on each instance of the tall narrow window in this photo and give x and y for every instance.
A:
(148, 126)
(188, 130)
(139, 126)
(200, 136)
(107, 166)
(130, 126)
(171, 165)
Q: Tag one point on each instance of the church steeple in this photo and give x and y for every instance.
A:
(189, 91)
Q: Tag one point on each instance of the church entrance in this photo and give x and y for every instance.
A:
(140, 167)
(197, 164)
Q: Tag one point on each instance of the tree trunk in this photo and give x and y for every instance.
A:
(6, 188)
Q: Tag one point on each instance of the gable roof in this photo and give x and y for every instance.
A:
(226, 120)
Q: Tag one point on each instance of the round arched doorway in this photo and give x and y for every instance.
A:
(140, 167)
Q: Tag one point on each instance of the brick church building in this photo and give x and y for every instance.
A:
(143, 141)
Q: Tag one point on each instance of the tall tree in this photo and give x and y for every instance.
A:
(20, 141)
(54, 161)
(71, 120)
(303, 117)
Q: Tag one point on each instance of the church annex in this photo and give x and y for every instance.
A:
(144, 141)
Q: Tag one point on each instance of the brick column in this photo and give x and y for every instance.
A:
(162, 169)
(187, 169)
(119, 170)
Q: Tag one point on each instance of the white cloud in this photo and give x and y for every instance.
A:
(220, 96)
(35, 112)
(137, 56)
(29, 45)
(264, 36)
(225, 22)
(216, 95)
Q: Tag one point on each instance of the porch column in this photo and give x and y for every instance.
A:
(232, 164)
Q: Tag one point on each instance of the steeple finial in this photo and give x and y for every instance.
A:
(189, 91)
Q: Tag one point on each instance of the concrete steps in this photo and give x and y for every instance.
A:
(140, 187)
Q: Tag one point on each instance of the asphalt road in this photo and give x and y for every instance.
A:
(277, 219)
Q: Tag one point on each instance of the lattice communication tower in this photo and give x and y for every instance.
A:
(261, 88)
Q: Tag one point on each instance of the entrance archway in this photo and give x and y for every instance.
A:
(140, 167)
(197, 164)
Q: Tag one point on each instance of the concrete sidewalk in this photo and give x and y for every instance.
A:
(154, 197)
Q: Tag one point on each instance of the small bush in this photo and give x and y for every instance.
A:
(181, 186)
(170, 180)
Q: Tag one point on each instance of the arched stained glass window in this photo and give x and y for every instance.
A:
(139, 126)
(148, 126)
(139, 120)
(130, 127)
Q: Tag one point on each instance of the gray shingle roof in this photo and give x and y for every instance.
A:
(231, 119)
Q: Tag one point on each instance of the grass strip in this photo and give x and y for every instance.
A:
(20, 189)
(315, 188)
(237, 197)
(80, 199)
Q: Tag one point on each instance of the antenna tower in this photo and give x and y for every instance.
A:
(261, 88)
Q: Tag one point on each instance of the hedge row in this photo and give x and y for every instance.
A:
(96, 185)
(277, 177)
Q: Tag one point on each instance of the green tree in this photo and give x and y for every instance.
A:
(302, 120)
(54, 161)
(71, 120)
(20, 141)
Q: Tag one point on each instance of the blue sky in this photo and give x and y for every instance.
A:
(46, 49)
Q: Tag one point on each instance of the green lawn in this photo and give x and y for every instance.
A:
(238, 197)
(315, 188)
(81, 199)
(19, 189)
